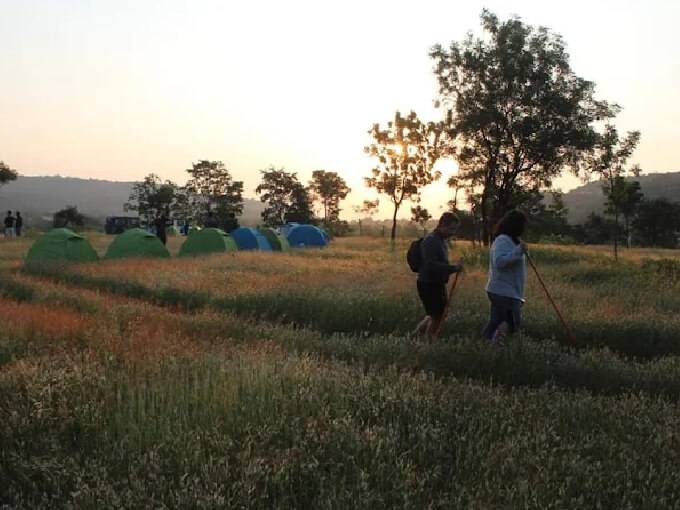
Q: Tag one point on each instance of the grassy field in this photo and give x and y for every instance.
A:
(260, 380)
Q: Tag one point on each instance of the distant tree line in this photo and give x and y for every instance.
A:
(211, 188)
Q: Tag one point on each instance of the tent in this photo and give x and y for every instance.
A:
(287, 227)
(172, 231)
(250, 239)
(277, 241)
(307, 235)
(207, 240)
(136, 242)
(61, 244)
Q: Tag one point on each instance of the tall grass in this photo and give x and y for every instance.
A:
(286, 381)
(295, 432)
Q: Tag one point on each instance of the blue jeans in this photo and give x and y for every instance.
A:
(503, 308)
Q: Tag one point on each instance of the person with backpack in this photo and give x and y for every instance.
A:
(430, 257)
(507, 276)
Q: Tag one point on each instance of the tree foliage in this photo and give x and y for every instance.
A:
(607, 159)
(152, 197)
(329, 189)
(211, 187)
(519, 114)
(7, 174)
(406, 150)
(657, 223)
(420, 215)
(623, 196)
(285, 197)
(69, 217)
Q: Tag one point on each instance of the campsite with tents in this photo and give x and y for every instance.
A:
(428, 322)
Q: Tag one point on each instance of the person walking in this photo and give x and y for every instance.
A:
(507, 276)
(434, 272)
(18, 223)
(9, 225)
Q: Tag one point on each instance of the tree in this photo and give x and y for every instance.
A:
(519, 113)
(286, 198)
(329, 189)
(456, 185)
(152, 197)
(549, 222)
(369, 208)
(623, 197)
(595, 230)
(212, 188)
(405, 151)
(608, 158)
(69, 217)
(420, 215)
(657, 223)
(7, 174)
(300, 210)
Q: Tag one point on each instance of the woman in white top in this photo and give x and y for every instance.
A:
(507, 275)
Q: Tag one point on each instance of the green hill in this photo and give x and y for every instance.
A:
(589, 198)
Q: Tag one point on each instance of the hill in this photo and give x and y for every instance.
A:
(589, 198)
(38, 198)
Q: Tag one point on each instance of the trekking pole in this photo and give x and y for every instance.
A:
(570, 333)
(446, 307)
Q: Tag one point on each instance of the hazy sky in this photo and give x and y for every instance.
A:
(119, 89)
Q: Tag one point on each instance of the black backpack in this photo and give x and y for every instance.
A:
(413, 255)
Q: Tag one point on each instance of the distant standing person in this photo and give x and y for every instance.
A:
(18, 223)
(231, 224)
(9, 225)
(160, 223)
(210, 221)
(434, 272)
(507, 276)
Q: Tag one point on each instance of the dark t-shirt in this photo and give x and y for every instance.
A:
(159, 223)
(434, 253)
(9, 222)
(230, 225)
(19, 222)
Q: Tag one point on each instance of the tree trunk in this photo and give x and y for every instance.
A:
(616, 233)
(394, 222)
(485, 218)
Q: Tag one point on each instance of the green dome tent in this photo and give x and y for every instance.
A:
(136, 242)
(277, 241)
(207, 240)
(172, 231)
(60, 244)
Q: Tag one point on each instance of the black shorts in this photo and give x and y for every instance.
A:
(433, 296)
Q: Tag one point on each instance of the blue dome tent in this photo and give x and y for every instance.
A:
(287, 227)
(250, 239)
(307, 235)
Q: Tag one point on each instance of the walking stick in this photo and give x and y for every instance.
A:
(446, 307)
(570, 333)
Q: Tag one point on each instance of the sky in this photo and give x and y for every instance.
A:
(119, 89)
